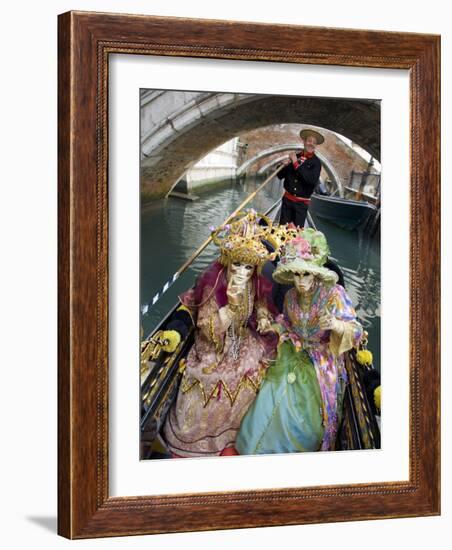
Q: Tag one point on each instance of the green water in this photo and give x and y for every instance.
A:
(359, 259)
(172, 229)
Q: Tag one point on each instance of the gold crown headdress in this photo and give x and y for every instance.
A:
(240, 240)
(278, 235)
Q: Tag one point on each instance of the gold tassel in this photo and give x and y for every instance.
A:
(172, 339)
(364, 357)
(377, 397)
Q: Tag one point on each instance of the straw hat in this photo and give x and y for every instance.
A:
(309, 132)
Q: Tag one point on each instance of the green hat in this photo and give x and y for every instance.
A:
(317, 241)
(305, 254)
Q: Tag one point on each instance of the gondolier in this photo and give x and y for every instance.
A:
(301, 175)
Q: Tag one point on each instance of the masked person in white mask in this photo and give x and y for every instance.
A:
(232, 309)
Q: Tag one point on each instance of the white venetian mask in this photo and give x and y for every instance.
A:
(240, 273)
(304, 282)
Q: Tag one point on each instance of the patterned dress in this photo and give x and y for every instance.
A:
(299, 405)
(220, 381)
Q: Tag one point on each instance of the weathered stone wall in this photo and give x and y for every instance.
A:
(180, 128)
(219, 165)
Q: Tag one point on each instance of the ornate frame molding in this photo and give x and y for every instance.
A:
(85, 42)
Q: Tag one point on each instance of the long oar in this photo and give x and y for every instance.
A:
(170, 282)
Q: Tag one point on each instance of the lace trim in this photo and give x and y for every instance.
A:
(246, 382)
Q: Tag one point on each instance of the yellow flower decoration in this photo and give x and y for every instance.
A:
(364, 357)
(173, 340)
(377, 397)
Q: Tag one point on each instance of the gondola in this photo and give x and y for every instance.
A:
(346, 213)
(161, 373)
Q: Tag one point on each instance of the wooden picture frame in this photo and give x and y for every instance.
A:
(86, 40)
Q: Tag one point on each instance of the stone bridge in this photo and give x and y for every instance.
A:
(180, 128)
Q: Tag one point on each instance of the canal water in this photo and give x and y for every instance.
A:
(172, 229)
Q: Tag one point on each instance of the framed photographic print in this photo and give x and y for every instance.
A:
(239, 205)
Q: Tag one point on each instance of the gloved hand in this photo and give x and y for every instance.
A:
(328, 322)
(264, 325)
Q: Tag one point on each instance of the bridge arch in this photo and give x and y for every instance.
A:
(326, 164)
(180, 128)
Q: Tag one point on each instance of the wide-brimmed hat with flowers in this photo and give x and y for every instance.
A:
(305, 254)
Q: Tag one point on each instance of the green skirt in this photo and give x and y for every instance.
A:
(286, 416)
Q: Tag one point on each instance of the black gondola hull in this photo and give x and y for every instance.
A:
(346, 213)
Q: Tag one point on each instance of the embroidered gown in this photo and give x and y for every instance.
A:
(218, 385)
(300, 402)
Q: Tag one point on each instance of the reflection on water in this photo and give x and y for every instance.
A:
(359, 259)
(172, 229)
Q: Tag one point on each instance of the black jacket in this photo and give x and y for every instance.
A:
(302, 181)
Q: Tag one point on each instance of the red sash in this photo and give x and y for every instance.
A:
(293, 198)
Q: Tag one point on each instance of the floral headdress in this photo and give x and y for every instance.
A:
(306, 253)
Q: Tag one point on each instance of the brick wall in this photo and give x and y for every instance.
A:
(342, 157)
